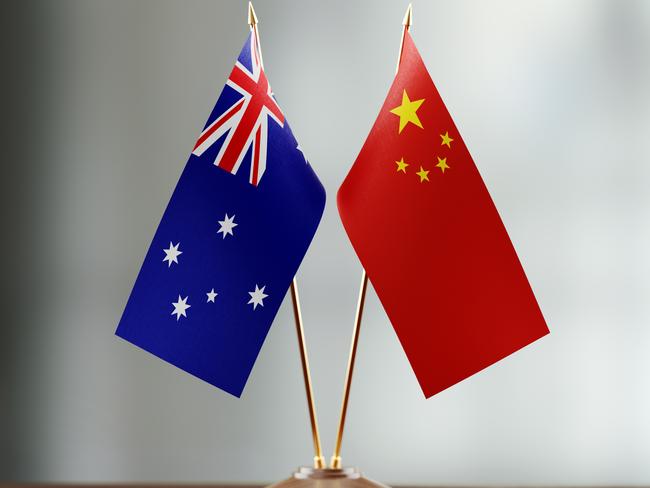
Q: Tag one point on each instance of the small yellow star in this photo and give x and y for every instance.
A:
(446, 140)
(424, 175)
(442, 164)
(401, 165)
(407, 112)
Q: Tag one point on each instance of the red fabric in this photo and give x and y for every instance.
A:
(436, 252)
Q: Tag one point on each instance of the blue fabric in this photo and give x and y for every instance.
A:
(276, 221)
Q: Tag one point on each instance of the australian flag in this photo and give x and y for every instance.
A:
(233, 235)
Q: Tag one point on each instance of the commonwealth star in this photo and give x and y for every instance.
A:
(227, 225)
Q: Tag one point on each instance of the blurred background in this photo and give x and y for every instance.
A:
(101, 104)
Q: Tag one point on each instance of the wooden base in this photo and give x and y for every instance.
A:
(306, 477)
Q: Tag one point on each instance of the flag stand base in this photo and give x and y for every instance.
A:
(306, 477)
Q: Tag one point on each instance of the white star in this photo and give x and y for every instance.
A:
(211, 295)
(257, 297)
(227, 225)
(180, 307)
(171, 254)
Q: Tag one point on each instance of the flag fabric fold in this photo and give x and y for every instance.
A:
(427, 232)
(234, 233)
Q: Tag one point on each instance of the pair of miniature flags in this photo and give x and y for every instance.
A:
(414, 206)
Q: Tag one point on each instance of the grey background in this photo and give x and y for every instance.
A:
(102, 103)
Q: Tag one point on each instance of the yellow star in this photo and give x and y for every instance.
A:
(446, 140)
(407, 112)
(401, 165)
(424, 175)
(442, 164)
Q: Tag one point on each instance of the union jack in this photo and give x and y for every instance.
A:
(246, 120)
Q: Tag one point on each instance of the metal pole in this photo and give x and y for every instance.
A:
(335, 462)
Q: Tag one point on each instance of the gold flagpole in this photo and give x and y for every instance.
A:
(252, 21)
(319, 460)
(335, 462)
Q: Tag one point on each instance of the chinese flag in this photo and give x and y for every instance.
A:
(431, 240)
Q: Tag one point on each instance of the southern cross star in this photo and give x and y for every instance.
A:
(257, 297)
(227, 225)
(171, 254)
(180, 307)
(211, 295)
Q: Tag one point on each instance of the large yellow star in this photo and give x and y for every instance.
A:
(446, 140)
(401, 165)
(407, 112)
(442, 164)
(423, 174)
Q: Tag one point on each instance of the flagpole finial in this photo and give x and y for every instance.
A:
(406, 25)
(252, 21)
(252, 18)
(408, 16)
